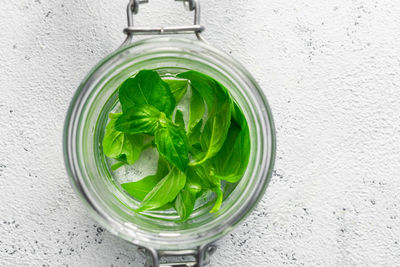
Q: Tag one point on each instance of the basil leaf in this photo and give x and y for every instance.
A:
(146, 88)
(219, 199)
(141, 188)
(114, 116)
(163, 168)
(139, 119)
(186, 199)
(179, 119)
(216, 130)
(165, 191)
(132, 147)
(119, 145)
(203, 84)
(231, 161)
(170, 205)
(219, 112)
(195, 133)
(203, 177)
(178, 88)
(238, 116)
(184, 204)
(206, 174)
(172, 143)
(200, 178)
(117, 165)
(196, 152)
(195, 183)
(208, 182)
(227, 161)
(113, 141)
(196, 110)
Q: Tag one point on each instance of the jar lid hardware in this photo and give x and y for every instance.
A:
(201, 256)
(191, 5)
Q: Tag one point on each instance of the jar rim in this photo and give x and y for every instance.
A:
(125, 229)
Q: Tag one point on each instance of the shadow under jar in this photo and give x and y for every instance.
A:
(162, 232)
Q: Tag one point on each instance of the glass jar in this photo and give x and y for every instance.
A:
(161, 232)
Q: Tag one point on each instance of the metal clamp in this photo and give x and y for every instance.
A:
(201, 256)
(191, 5)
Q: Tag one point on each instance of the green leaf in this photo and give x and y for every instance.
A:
(140, 119)
(195, 133)
(203, 84)
(178, 88)
(114, 116)
(170, 205)
(146, 88)
(237, 115)
(184, 203)
(195, 183)
(201, 177)
(165, 191)
(208, 182)
(219, 199)
(216, 130)
(117, 165)
(227, 162)
(133, 146)
(196, 110)
(141, 188)
(120, 145)
(163, 168)
(172, 143)
(113, 141)
(196, 152)
(219, 112)
(205, 172)
(179, 119)
(231, 161)
(186, 199)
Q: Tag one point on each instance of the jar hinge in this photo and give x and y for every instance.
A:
(201, 256)
(191, 5)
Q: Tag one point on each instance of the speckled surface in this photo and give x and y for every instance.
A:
(330, 70)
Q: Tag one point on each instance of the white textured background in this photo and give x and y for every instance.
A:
(330, 70)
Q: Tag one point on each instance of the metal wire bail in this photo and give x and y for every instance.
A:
(201, 256)
(191, 5)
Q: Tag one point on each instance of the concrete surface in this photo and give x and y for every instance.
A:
(330, 70)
